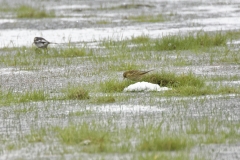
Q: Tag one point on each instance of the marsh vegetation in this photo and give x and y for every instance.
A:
(68, 101)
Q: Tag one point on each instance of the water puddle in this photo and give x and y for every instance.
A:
(11, 71)
(126, 108)
(211, 17)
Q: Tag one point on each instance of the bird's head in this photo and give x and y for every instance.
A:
(124, 75)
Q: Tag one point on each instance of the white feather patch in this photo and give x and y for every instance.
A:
(145, 86)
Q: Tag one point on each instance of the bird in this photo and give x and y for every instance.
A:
(135, 75)
(41, 42)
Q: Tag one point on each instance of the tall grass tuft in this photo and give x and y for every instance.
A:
(11, 97)
(147, 18)
(140, 39)
(104, 99)
(190, 41)
(72, 52)
(25, 11)
(37, 95)
(163, 143)
(76, 93)
(113, 85)
(165, 156)
(6, 97)
(75, 134)
(174, 80)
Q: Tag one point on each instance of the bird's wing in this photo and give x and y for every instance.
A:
(143, 72)
(42, 41)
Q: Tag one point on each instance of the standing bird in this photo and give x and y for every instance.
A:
(41, 42)
(134, 75)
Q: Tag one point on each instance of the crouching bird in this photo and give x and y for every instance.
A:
(41, 42)
(135, 75)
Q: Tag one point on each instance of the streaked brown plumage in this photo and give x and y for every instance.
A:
(135, 75)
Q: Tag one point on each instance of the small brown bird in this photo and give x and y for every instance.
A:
(134, 75)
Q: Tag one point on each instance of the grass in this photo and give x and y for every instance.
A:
(147, 125)
(36, 135)
(103, 100)
(24, 110)
(11, 147)
(100, 139)
(129, 6)
(11, 97)
(190, 41)
(5, 7)
(146, 138)
(78, 134)
(165, 156)
(143, 39)
(79, 113)
(71, 51)
(212, 131)
(174, 80)
(186, 84)
(102, 22)
(163, 79)
(147, 18)
(26, 11)
(163, 143)
(113, 85)
(31, 59)
(36, 95)
(75, 134)
(149, 138)
(75, 92)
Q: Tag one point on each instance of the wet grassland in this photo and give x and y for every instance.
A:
(69, 102)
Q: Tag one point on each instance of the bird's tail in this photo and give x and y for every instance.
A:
(144, 72)
(56, 43)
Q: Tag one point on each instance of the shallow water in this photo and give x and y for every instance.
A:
(83, 26)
